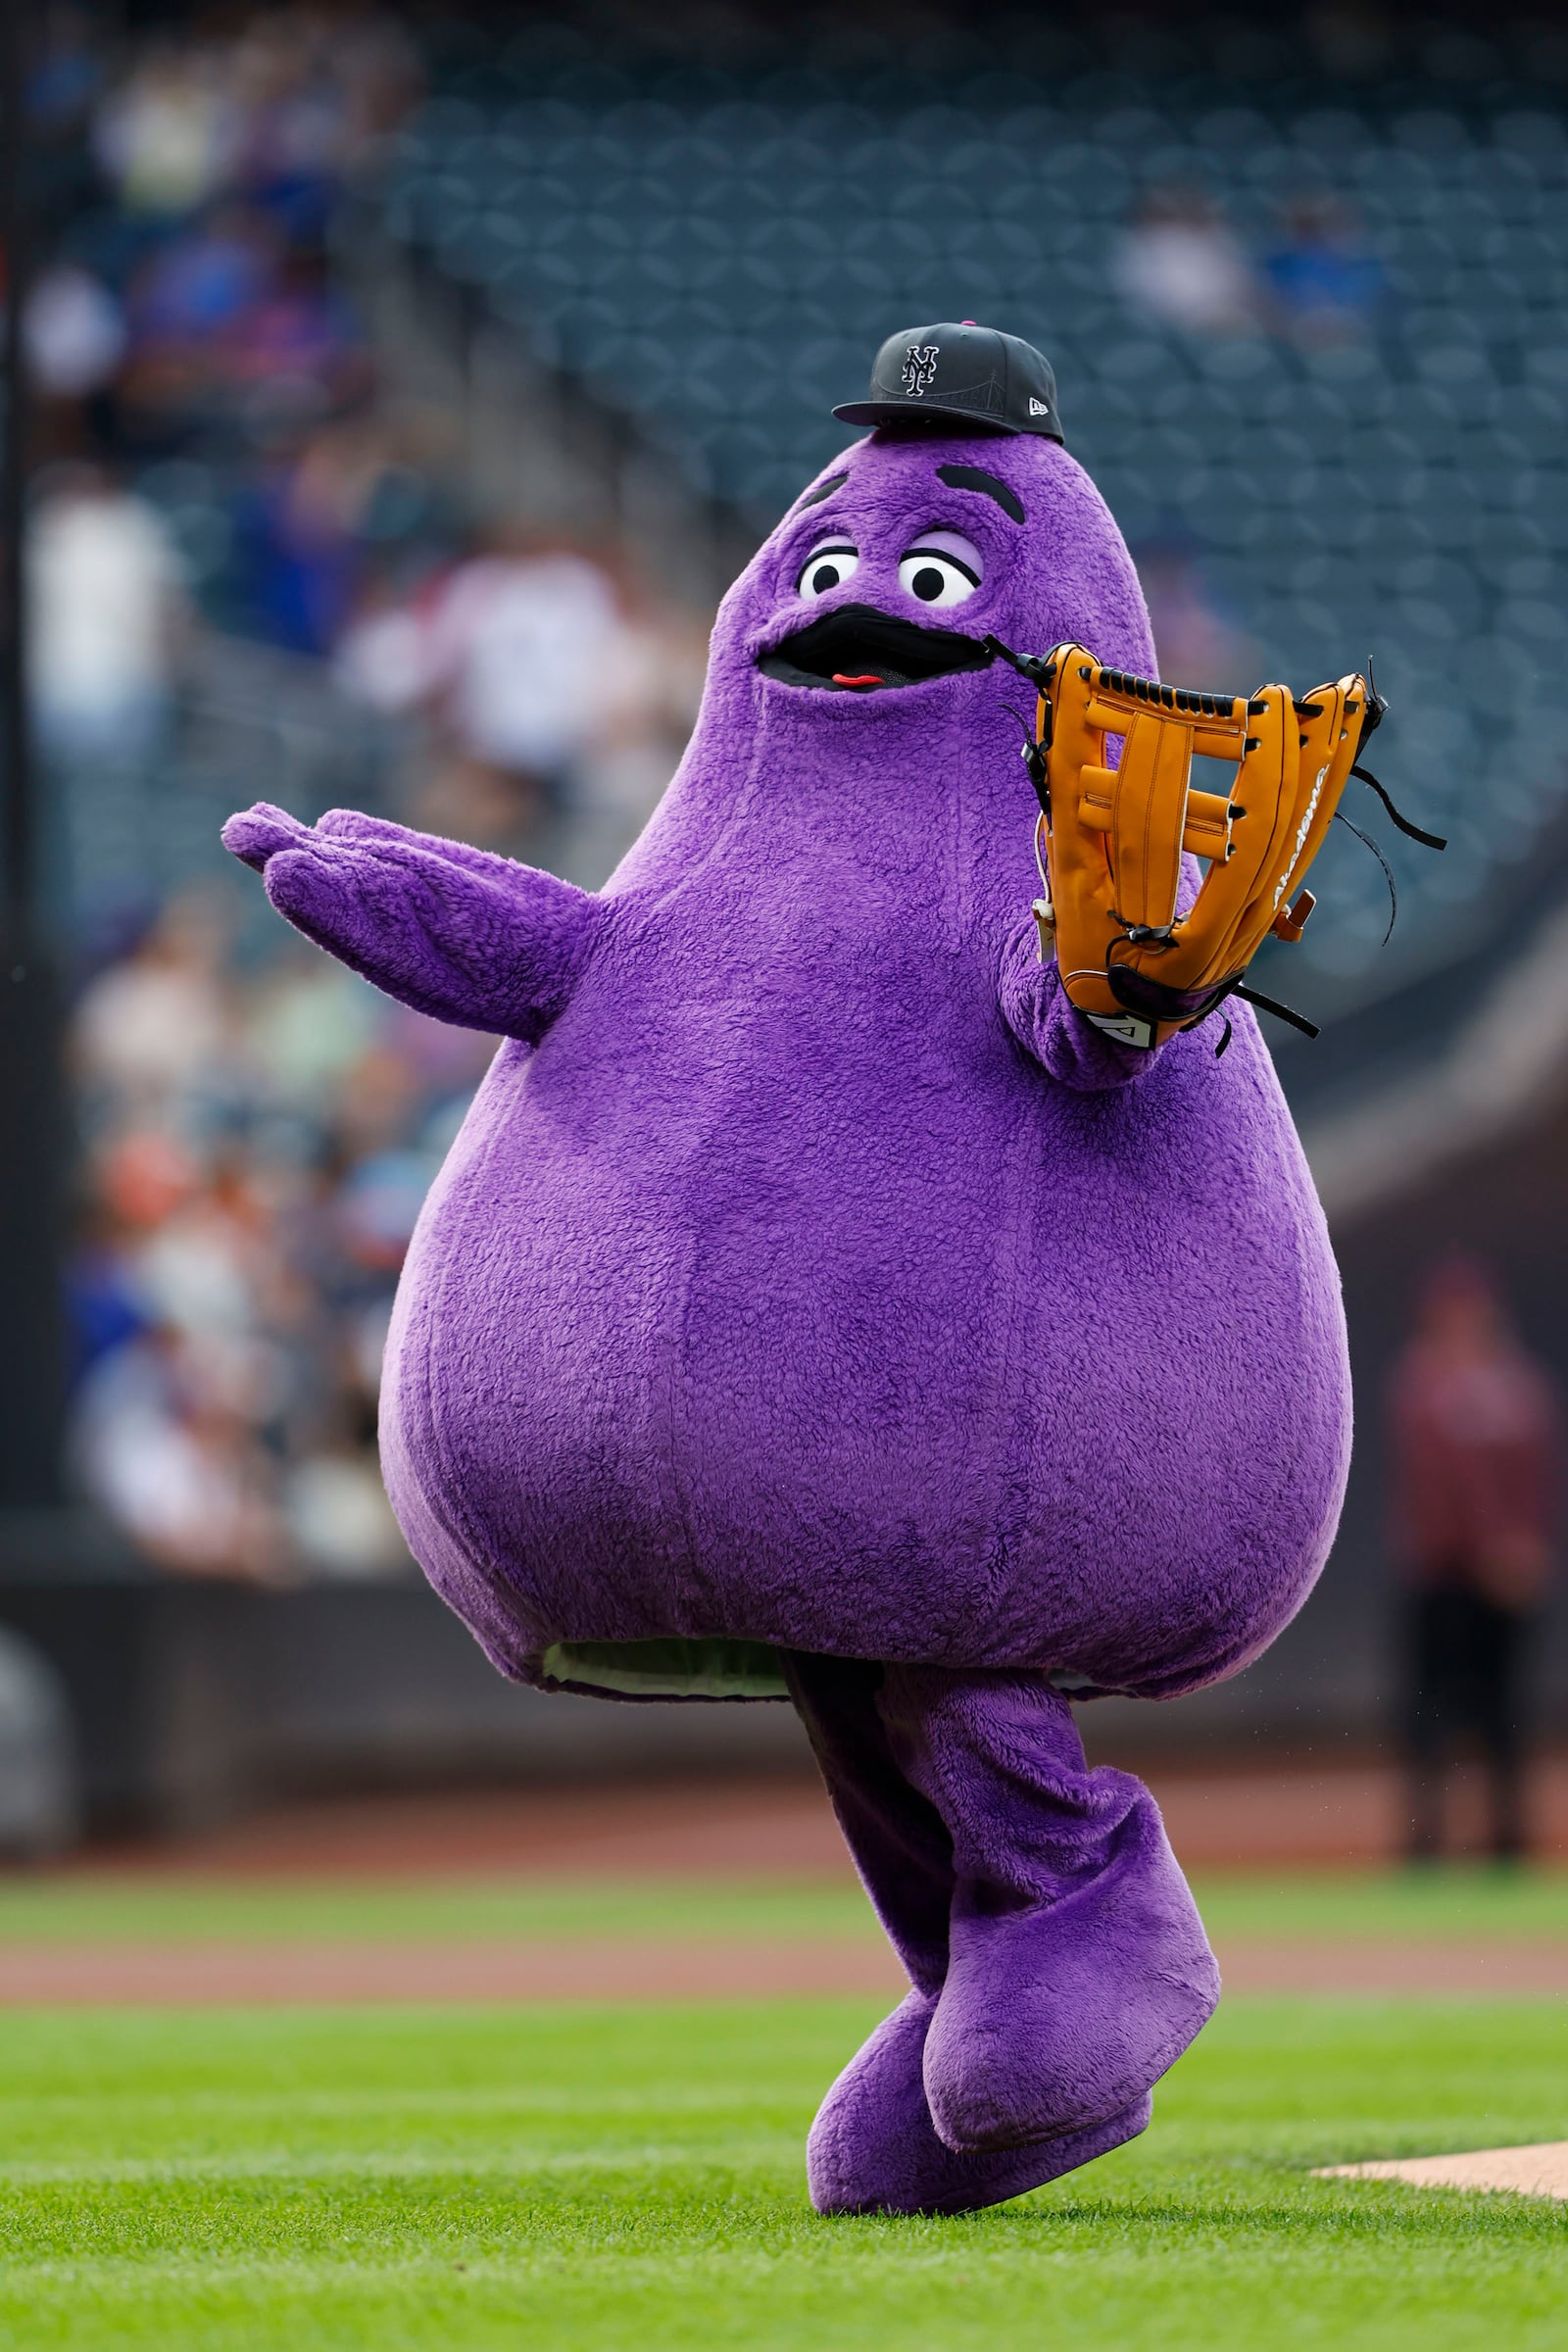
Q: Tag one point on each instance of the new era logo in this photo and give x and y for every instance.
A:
(919, 368)
(1037, 408)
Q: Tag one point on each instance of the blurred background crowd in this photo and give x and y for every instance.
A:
(241, 533)
(407, 384)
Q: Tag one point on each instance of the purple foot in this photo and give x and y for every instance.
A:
(1058, 2015)
(872, 2148)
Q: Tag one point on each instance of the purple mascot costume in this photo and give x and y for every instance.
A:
(816, 1304)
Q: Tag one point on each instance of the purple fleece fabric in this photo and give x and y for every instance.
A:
(810, 1277)
(872, 2148)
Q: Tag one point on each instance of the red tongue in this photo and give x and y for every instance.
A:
(839, 679)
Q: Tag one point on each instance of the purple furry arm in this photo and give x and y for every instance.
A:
(452, 931)
(1049, 1027)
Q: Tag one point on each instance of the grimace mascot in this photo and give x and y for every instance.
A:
(818, 1303)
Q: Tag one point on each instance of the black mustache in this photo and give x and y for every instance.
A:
(857, 641)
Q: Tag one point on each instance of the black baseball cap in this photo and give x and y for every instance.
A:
(960, 375)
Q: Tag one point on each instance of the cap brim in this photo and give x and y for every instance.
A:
(921, 411)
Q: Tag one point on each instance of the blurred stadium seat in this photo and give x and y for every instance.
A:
(717, 253)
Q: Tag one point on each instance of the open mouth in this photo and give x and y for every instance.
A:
(858, 650)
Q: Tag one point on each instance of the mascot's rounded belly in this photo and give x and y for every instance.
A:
(737, 1317)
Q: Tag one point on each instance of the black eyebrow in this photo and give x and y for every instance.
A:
(970, 477)
(835, 481)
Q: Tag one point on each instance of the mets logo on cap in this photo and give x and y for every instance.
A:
(956, 375)
(920, 368)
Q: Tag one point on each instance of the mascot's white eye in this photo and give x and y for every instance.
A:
(827, 567)
(941, 569)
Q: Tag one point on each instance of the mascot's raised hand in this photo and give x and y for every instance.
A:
(471, 939)
(818, 1302)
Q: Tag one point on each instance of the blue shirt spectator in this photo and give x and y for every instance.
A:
(1325, 280)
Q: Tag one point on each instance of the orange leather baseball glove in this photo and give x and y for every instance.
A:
(1111, 835)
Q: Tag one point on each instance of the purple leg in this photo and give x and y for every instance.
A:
(899, 1842)
(873, 2149)
(1078, 1968)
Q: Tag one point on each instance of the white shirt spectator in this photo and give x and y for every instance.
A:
(1181, 263)
(518, 650)
(104, 582)
(336, 1511)
(167, 137)
(75, 335)
(155, 1026)
(184, 1485)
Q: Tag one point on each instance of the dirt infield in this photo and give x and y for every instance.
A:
(195, 1974)
(1540, 2171)
(1381, 1967)
(779, 1831)
(554, 1969)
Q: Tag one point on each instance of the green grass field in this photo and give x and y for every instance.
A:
(104, 1906)
(632, 2178)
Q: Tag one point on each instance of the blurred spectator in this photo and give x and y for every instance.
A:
(379, 71)
(302, 526)
(293, 118)
(1195, 643)
(75, 335)
(645, 717)
(298, 342)
(1180, 261)
(1476, 1445)
(519, 652)
(521, 647)
(65, 82)
(67, 73)
(149, 1028)
(307, 1022)
(258, 1149)
(167, 137)
(166, 1446)
(1325, 280)
(193, 289)
(337, 1514)
(102, 1308)
(107, 611)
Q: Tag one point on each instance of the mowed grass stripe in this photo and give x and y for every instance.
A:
(1457, 1903)
(604, 2177)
